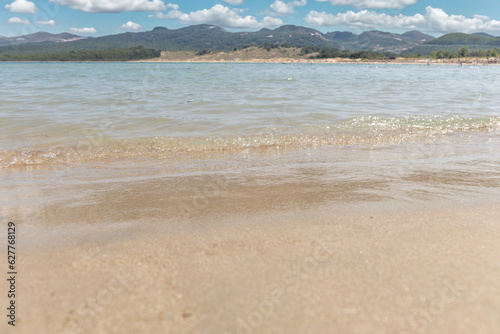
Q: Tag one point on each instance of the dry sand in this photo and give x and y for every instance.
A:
(292, 55)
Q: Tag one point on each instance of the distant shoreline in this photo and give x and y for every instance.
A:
(289, 55)
(294, 56)
(319, 61)
(403, 61)
(273, 61)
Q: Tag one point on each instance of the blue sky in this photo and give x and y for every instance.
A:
(105, 17)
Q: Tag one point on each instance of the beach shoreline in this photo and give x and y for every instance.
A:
(262, 56)
(274, 61)
(251, 248)
(254, 55)
(252, 199)
(320, 61)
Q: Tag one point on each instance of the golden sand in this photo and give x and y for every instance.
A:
(253, 254)
(380, 270)
(292, 55)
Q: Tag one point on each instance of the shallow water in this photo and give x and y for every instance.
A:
(194, 191)
(53, 103)
(142, 139)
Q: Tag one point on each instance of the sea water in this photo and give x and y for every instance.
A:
(274, 136)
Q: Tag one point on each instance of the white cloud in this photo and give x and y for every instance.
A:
(234, 2)
(482, 17)
(365, 19)
(270, 22)
(17, 20)
(85, 30)
(22, 6)
(131, 26)
(219, 15)
(114, 6)
(46, 23)
(174, 13)
(280, 7)
(434, 20)
(376, 4)
(173, 6)
(225, 17)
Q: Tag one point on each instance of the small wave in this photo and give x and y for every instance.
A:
(358, 131)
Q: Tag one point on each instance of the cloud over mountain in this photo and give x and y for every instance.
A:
(218, 15)
(375, 4)
(434, 20)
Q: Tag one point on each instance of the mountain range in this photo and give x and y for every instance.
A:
(213, 38)
(375, 40)
(452, 42)
(40, 37)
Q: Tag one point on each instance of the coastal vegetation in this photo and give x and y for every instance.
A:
(315, 52)
(283, 50)
(135, 53)
(322, 53)
(464, 52)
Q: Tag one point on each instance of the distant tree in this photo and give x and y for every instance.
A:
(202, 52)
(463, 52)
(479, 53)
(443, 54)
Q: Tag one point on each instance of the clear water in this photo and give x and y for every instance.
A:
(48, 104)
(145, 138)
(188, 182)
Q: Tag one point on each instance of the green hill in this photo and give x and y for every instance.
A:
(212, 38)
(483, 34)
(192, 38)
(454, 41)
(465, 40)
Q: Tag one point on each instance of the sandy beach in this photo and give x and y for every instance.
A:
(250, 167)
(222, 253)
(383, 269)
(252, 198)
(293, 56)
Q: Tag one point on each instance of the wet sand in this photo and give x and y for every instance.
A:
(241, 246)
(366, 268)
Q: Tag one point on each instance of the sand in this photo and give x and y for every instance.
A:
(292, 55)
(359, 267)
(292, 243)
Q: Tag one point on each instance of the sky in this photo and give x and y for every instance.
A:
(106, 17)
